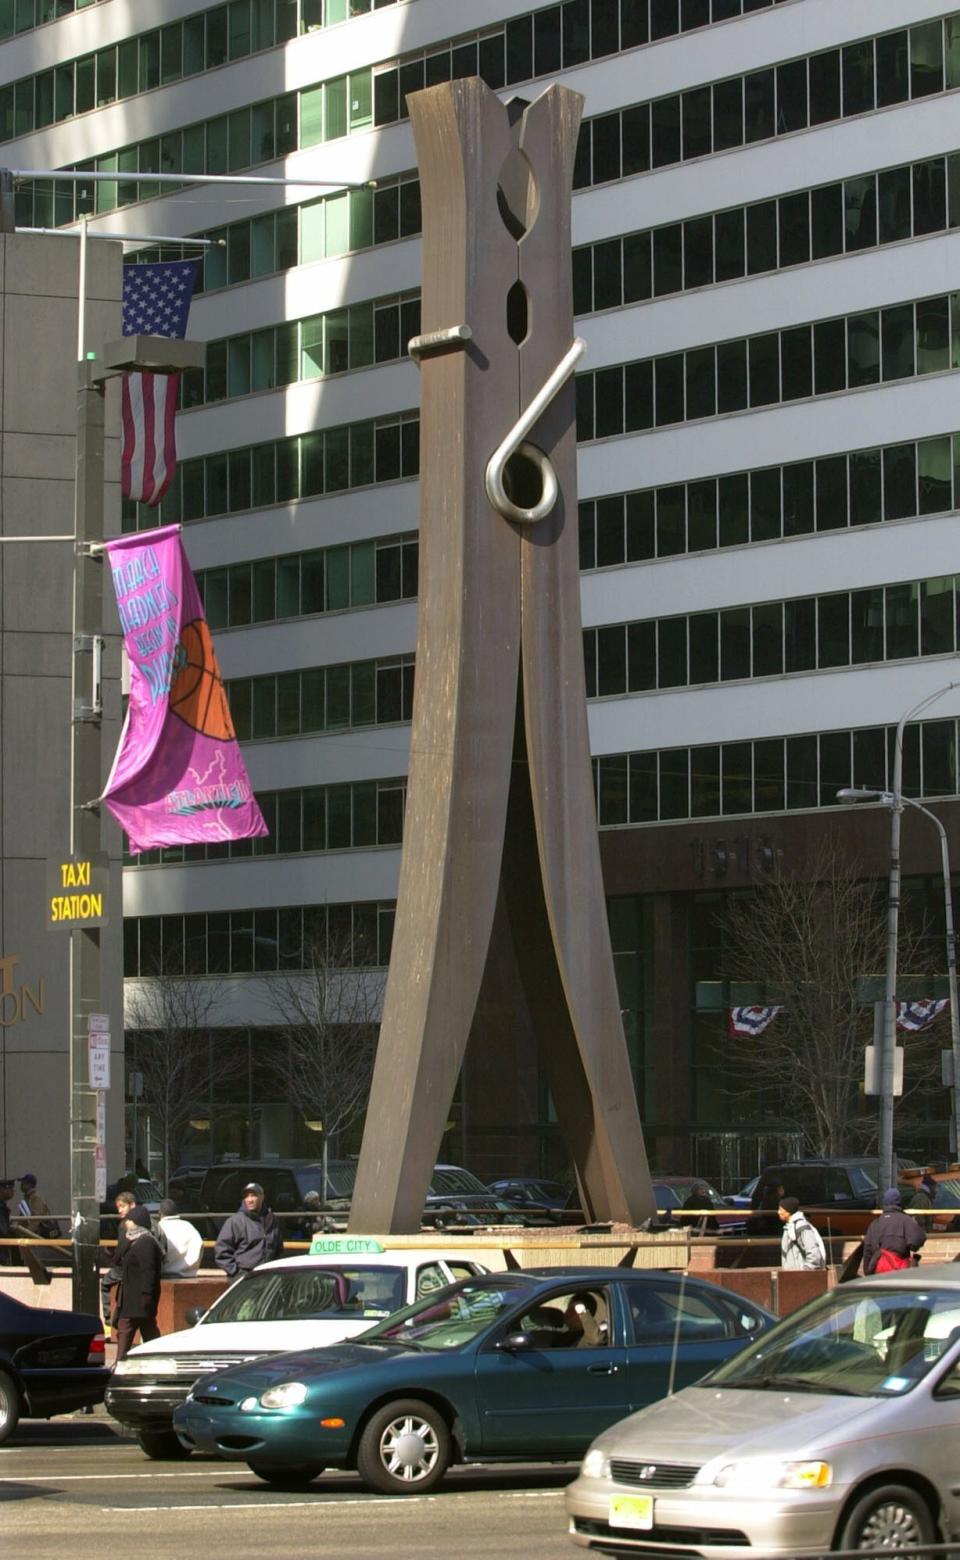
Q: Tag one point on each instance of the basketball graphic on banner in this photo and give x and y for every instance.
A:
(196, 693)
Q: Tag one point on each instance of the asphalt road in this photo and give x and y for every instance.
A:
(76, 1489)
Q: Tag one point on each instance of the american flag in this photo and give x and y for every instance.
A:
(156, 302)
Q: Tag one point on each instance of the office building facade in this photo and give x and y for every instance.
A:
(765, 214)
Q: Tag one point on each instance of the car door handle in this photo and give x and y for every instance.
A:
(607, 1369)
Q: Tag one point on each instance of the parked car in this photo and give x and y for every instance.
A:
(520, 1366)
(673, 1193)
(837, 1430)
(839, 1196)
(295, 1303)
(743, 1198)
(531, 1192)
(51, 1362)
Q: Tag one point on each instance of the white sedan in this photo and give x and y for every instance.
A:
(296, 1303)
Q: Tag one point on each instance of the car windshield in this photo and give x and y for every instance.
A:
(450, 1320)
(875, 1342)
(348, 1293)
(947, 1194)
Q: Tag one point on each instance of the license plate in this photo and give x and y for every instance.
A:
(631, 1511)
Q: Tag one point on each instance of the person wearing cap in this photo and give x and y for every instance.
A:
(249, 1237)
(800, 1244)
(893, 1239)
(180, 1242)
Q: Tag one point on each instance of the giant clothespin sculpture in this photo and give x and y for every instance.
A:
(499, 796)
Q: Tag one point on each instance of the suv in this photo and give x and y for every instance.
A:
(838, 1196)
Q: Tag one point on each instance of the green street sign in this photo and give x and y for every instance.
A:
(345, 1246)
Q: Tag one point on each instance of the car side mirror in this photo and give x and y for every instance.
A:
(516, 1342)
(195, 1314)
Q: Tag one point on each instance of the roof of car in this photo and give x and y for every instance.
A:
(399, 1259)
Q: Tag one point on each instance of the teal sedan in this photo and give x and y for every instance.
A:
(511, 1367)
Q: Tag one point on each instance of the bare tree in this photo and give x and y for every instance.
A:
(180, 1069)
(810, 939)
(328, 1015)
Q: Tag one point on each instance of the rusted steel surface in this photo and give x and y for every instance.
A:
(499, 790)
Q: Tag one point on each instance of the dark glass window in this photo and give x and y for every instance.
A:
(728, 114)
(704, 647)
(860, 213)
(701, 515)
(704, 782)
(671, 521)
(926, 58)
(701, 382)
(792, 96)
(866, 620)
(893, 70)
(896, 326)
(668, 259)
(698, 252)
(731, 376)
(829, 356)
(765, 522)
(737, 777)
(730, 244)
(863, 349)
(762, 237)
(669, 389)
(826, 208)
(930, 196)
(665, 131)
(858, 93)
(902, 621)
(768, 776)
(767, 632)
(893, 202)
(794, 221)
(899, 481)
(865, 487)
(799, 635)
(825, 87)
(796, 353)
(764, 369)
(637, 273)
(672, 652)
(697, 123)
(798, 498)
(734, 643)
(760, 106)
(802, 772)
(831, 484)
(734, 509)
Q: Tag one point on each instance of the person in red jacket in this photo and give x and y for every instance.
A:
(893, 1239)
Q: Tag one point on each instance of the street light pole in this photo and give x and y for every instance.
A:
(895, 800)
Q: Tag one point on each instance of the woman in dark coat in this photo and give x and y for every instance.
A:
(139, 1288)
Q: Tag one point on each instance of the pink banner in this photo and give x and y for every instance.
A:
(178, 777)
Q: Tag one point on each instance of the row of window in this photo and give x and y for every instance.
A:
(877, 345)
(775, 774)
(329, 460)
(556, 38)
(881, 208)
(354, 816)
(375, 331)
(898, 66)
(860, 488)
(796, 95)
(277, 20)
(832, 219)
(326, 579)
(316, 699)
(803, 634)
(245, 942)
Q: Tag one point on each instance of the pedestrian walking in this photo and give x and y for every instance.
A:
(893, 1239)
(138, 1292)
(127, 1208)
(249, 1237)
(181, 1244)
(801, 1245)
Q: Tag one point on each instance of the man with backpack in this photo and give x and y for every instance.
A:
(893, 1239)
(800, 1244)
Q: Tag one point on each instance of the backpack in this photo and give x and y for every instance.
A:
(809, 1242)
(891, 1262)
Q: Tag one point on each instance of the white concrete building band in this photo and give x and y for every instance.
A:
(766, 224)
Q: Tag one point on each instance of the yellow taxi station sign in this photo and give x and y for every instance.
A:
(77, 892)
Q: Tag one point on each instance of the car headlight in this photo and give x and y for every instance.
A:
(596, 1464)
(288, 1394)
(156, 1365)
(765, 1473)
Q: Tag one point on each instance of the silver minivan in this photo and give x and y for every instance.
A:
(838, 1429)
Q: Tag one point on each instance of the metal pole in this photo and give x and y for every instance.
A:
(951, 964)
(888, 1048)
(85, 830)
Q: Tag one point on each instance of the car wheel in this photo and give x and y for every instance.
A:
(162, 1445)
(9, 1406)
(405, 1448)
(295, 1477)
(892, 1517)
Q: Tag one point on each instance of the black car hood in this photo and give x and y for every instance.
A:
(304, 1365)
